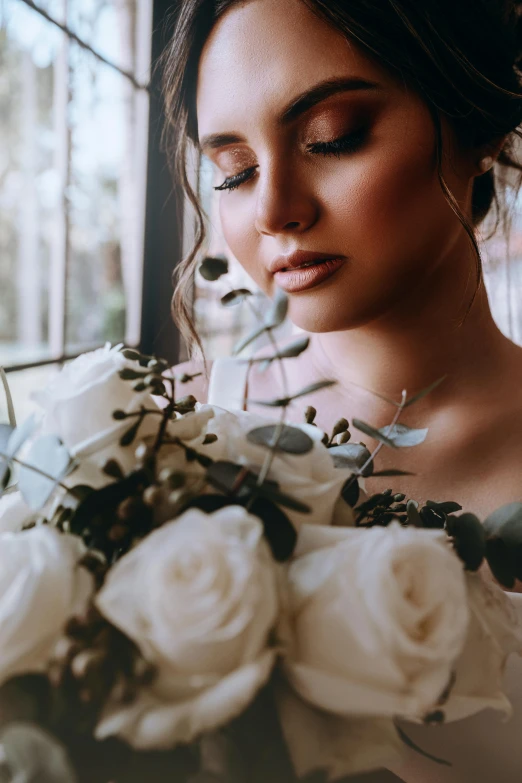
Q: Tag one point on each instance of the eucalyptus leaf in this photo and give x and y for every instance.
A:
(213, 268)
(128, 374)
(414, 518)
(424, 392)
(292, 440)
(469, 539)
(278, 310)
(404, 436)
(254, 335)
(268, 491)
(505, 524)
(31, 755)
(350, 492)
(8, 397)
(6, 432)
(225, 476)
(313, 387)
(511, 514)
(49, 455)
(21, 434)
(290, 352)
(373, 433)
(235, 297)
(279, 531)
(446, 506)
(501, 561)
(351, 456)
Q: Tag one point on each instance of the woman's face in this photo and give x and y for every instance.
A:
(375, 202)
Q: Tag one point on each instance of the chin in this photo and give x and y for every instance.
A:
(326, 314)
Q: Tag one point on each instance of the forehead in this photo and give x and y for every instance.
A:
(262, 53)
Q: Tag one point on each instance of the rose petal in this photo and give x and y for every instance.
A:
(340, 746)
(149, 723)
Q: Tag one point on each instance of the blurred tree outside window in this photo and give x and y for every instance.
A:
(74, 107)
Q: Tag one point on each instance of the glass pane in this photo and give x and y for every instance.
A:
(22, 383)
(31, 56)
(503, 272)
(73, 155)
(105, 204)
(117, 29)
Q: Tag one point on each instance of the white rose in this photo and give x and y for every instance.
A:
(494, 633)
(310, 478)
(376, 619)
(338, 745)
(14, 513)
(79, 402)
(199, 598)
(41, 587)
(78, 406)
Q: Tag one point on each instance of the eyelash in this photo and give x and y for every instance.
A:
(348, 143)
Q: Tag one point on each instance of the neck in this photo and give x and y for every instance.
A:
(419, 342)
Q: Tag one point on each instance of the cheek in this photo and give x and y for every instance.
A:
(241, 236)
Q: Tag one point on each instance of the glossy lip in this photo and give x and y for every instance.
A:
(293, 279)
(297, 258)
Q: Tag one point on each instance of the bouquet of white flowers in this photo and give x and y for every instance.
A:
(192, 594)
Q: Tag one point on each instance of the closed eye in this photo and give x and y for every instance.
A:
(347, 143)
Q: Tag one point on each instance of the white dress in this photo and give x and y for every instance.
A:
(482, 749)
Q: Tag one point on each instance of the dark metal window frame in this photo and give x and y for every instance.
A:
(163, 239)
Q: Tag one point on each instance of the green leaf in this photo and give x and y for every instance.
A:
(351, 456)
(131, 354)
(447, 506)
(469, 539)
(424, 392)
(313, 387)
(242, 344)
(278, 310)
(373, 432)
(268, 491)
(404, 436)
(128, 374)
(49, 455)
(280, 402)
(113, 469)
(502, 562)
(21, 434)
(292, 440)
(290, 352)
(235, 297)
(511, 514)
(6, 432)
(213, 268)
(350, 492)
(129, 435)
(412, 511)
(8, 397)
(279, 531)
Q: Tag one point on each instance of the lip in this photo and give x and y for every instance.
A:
(293, 279)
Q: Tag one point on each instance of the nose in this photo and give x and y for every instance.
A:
(284, 203)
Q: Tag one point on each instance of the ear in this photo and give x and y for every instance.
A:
(485, 157)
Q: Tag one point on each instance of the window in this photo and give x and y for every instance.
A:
(74, 114)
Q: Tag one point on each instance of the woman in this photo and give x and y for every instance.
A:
(366, 133)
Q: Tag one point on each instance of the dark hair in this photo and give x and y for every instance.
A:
(463, 57)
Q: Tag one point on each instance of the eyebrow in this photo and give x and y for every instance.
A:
(297, 106)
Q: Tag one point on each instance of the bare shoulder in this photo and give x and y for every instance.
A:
(198, 385)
